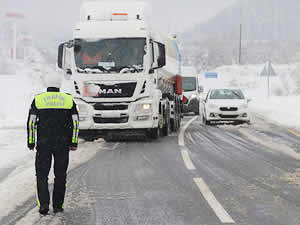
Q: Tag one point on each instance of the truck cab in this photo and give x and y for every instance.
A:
(122, 74)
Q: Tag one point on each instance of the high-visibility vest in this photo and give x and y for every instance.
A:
(53, 100)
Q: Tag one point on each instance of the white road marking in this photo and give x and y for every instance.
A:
(189, 135)
(213, 202)
(115, 146)
(182, 130)
(187, 160)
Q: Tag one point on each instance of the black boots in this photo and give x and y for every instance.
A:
(44, 210)
(57, 210)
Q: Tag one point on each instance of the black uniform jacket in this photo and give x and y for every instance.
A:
(54, 117)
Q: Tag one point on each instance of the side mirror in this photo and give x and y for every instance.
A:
(201, 89)
(159, 52)
(60, 56)
(161, 61)
(69, 71)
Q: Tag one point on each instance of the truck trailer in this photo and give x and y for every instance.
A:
(123, 75)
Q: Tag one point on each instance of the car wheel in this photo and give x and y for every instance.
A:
(206, 122)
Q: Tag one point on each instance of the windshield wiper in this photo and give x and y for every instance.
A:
(237, 94)
(132, 69)
(95, 69)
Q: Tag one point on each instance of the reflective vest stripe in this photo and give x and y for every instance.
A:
(37, 196)
(32, 121)
(75, 129)
(53, 100)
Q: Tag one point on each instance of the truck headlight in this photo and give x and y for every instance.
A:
(143, 108)
(194, 96)
(82, 109)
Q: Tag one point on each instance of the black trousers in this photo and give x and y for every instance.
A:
(43, 161)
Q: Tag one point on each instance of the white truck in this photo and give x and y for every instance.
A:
(123, 75)
(191, 90)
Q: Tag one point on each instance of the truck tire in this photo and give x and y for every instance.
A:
(166, 128)
(179, 122)
(173, 125)
(153, 133)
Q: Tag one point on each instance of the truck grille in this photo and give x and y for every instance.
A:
(110, 120)
(121, 90)
(228, 116)
(103, 107)
(229, 109)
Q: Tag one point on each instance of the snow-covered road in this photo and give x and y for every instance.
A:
(17, 175)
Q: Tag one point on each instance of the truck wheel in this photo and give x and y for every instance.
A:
(173, 125)
(179, 123)
(166, 129)
(153, 133)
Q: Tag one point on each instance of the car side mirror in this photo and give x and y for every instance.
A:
(201, 89)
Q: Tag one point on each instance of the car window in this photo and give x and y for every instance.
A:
(227, 94)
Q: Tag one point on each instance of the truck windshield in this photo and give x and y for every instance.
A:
(120, 55)
(189, 83)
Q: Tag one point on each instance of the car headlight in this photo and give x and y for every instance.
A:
(244, 106)
(194, 96)
(212, 106)
(143, 108)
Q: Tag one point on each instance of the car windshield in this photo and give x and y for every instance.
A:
(189, 83)
(227, 94)
(120, 55)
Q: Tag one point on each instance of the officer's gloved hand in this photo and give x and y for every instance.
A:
(73, 148)
(31, 147)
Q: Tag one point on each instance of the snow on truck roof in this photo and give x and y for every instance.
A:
(102, 11)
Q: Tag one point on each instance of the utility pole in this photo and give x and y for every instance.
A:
(269, 70)
(13, 17)
(240, 38)
(15, 42)
(240, 45)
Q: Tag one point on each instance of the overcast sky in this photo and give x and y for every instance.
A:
(57, 17)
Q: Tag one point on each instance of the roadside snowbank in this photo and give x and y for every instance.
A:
(17, 91)
(281, 110)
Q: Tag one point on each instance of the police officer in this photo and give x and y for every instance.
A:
(54, 115)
